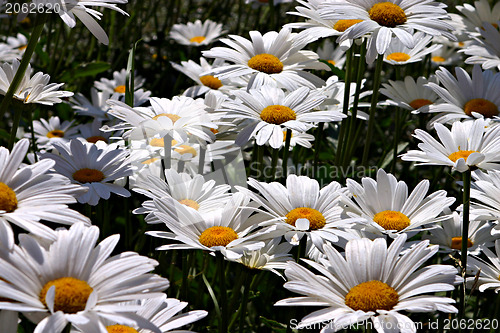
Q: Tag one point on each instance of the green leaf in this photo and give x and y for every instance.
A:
(83, 70)
(274, 325)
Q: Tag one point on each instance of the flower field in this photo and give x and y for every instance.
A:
(249, 166)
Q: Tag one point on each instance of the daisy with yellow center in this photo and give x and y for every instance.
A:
(468, 145)
(65, 287)
(197, 33)
(53, 130)
(387, 208)
(371, 281)
(398, 54)
(116, 85)
(383, 21)
(488, 271)
(227, 230)
(485, 50)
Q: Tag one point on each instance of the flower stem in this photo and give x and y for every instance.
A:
(373, 107)
(244, 301)
(465, 234)
(317, 141)
(40, 20)
(222, 293)
(345, 107)
(274, 163)
(284, 164)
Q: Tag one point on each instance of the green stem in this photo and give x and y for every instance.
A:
(274, 163)
(244, 302)
(185, 273)
(284, 164)
(40, 20)
(465, 235)
(317, 143)
(373, 107)
(222, 293)
(34, 147)
(345, 107)
(396, 139)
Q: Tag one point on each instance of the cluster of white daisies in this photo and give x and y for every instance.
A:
(261, 92)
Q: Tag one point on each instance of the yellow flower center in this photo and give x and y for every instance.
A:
(190, 203)
(8, 199)
(398, 56)
(87, 175)
(211, 81)
(149, 161)
(438, 59)
(392, 220)
(55, 134)
(331, 62)
(461, 154)
(343, 25)
(456, 243)
(71, 294)
(284, 135)
(316, 219)
(480, 105)
(218, 236)
(22, 47)
(214, 130)
(371, 296)
(266, 63)
(277, 114)
(461, 44)
(197, 39)
(185, 149)
(418, 103)
(120, 329)
(120, 89)
(387, 14)
(171, 116)
(95, 138)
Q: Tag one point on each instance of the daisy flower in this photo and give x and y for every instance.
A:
(117, 83)
(333, 55)
(488, 271)
(273, 111)
(447, 55)
(411, 95)
(197, 33)
(448, 235)
(68, 9)
(31, 89)
(95, 107)
(485, 190)
(226, 230)
(387, 208)
(466, 97)
(383, 20)
(48, 132)
(74, 280)
(300, 209)
(398, 54)
(92, 133)
(94, 166)
(29, 194)
(192, 191)
(470, 144)
(13, 48)
(475, 16)
(272, 58)
(486, 50)
(372, 281)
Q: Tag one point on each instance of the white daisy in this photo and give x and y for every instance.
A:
(28, 195)
(68, 9)
(486, 50)
(447, 55)
(197, 33)
(272, 58)
(48, 132)
(181, 188)
(374, 282)
(272, 111)
(117, 83)
(227, 230)
(96, 107)
(300, 209)
(475, 16)
(92, 133)
(398, 54)
(485, 191)
(489, 272)
(13, 48)
(411, 95)
(74, 281)
(388, 209)
(466, 97)
(31, 89)
(383, 20)
(94, 166)
(470, 144)
(333, 55)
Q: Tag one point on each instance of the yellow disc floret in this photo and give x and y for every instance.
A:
(87, 175)
(120, 89)
(277, 114)
(461, 154)
(170, 116)
(190, 203)
(95, 138)
(371, 296)
(387, 14)
(456, 243)
(218, 236)
(266, 63)
(392, 220)
(398, 56)
(197, 39)
(8, 199)
(480, 105)
(211, 81)
(343, 25)
(55, 134)
(71, 294)
(438, 59)
(315, 218)
(419, 102)
(120, 329)
(185, 149)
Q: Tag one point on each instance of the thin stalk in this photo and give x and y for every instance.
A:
(40, 20)
(15, 126)
(274, 163)
(284, 165)
(185, 273)
(34, 147)
(317, 141)
(397, 133)
(465, 234)
(222, 291)
(373, 107)
(244, 302)
(260, 161)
